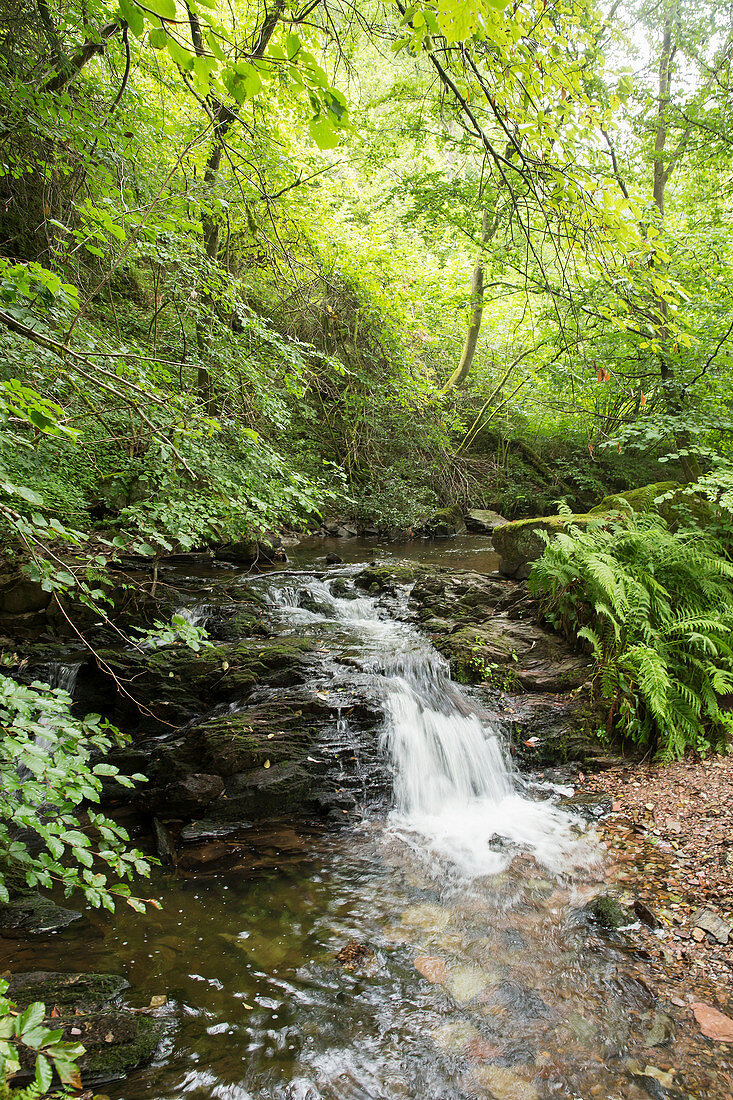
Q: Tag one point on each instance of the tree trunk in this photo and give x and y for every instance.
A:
(662, 172)
(489, 226)
(223, 119)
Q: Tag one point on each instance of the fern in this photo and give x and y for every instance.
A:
(590, 636)
(656, 607)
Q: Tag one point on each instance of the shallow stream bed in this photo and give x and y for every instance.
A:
(434, 946)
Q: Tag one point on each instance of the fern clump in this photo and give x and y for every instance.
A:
(656, 608)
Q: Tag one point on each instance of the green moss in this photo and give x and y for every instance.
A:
(134, 1042)
(445, 522)
(609, 913)
(236, 743)
(520, 542)
(380, 578)
(188, 681)
(85, 992)
(638, 500)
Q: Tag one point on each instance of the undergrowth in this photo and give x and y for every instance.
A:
(655, 607)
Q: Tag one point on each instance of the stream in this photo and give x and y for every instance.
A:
(434, 946)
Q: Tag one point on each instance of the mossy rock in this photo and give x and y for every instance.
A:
(640, 500)
(117, 1040)
(592, 805)
(549, 729)
(483, 521)
(237, 742)
(133, 1043)
(609, 913)
(175, 684)
(445, 522)
(262, 792)
(464, 597)
(30, 913)
(388, 578)
(520, 543)
(507, 654)
(82, 992)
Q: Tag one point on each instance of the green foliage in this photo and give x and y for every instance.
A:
(51, 774)
(24, 1031)
(656, 609)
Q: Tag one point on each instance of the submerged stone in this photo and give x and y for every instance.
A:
(661, 1031)
(466, 983)
(431, 918)
(455, 1036)
(504, 1084)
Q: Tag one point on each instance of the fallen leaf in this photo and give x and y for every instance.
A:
(713, 1023)
(158, 1000)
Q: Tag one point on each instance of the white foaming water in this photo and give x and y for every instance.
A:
(455, 797)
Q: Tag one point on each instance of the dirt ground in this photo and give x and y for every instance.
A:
(670, 849)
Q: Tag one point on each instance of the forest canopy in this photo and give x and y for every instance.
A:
(262, 263)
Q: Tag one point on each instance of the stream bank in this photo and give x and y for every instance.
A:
(331, 795)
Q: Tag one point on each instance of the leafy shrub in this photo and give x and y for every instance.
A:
(47, 775)
(656, 608)
(25, 1031)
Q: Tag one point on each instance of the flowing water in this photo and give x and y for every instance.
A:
(466, 966)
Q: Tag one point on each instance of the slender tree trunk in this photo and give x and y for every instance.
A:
(210, 225)
(665, 83)
(489, 226)
(662, 172)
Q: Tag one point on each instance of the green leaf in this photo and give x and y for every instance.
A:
(292, 45)
(67, 1070)
(26, 493)
(166, 9)
(32, 1017)
(44, 1073)
(182, 57)
(249, 78)
(157, 37)
(133, 16)
(323, 133)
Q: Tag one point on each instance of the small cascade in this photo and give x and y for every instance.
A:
(63, 675)
(442, 753)
(197, 614)
(455, 798)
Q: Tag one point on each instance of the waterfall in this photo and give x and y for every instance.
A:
(455, 797)
(64, 676)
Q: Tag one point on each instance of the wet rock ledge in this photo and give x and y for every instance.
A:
(89, 1010)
